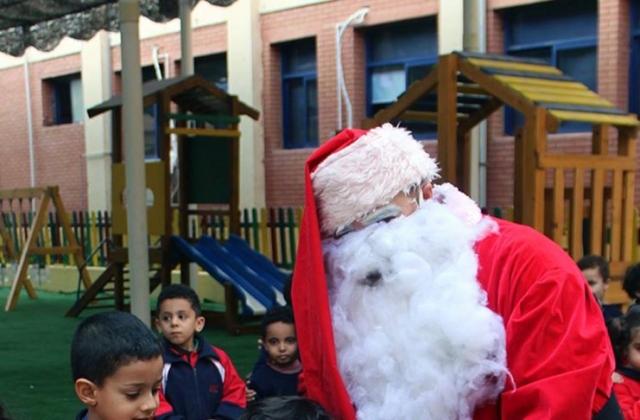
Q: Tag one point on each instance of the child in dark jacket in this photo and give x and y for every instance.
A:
(116, 364)
(199, 382)
(625, 339)
(279, 375)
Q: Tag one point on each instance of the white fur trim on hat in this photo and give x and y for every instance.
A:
(367, 174)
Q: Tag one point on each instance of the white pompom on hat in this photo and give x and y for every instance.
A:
(356, 180)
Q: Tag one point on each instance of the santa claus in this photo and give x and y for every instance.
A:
(410, 304)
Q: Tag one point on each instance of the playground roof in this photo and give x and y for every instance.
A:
(192, 93)
(487, 82)
(42, 24)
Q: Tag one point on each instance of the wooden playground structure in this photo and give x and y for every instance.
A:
(465, 89)
(44, 198)
(208, 167)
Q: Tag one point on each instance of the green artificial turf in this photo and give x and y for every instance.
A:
(35, 377)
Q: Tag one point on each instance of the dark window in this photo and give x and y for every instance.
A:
(299, 94)
(397, 55)
(561, 33)
(213, 68)
(151, 136)
(66, 99)
(634, 83)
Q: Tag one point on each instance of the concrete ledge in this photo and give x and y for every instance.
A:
(64, 279)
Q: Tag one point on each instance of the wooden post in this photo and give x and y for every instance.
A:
(577, 214)
(447, 117)
(234, 201)
(600, 145)
(627, 147)
(531, 198)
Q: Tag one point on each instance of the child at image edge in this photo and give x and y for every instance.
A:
(278, 375)
(625, 339)
(116, 362)
(199, 382)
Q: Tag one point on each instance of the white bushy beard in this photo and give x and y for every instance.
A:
(420, 342)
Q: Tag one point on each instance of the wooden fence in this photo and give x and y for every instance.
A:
(272, 232)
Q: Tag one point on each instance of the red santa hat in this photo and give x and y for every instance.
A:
(349, 176)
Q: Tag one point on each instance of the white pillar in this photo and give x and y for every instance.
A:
(475, 40)
(450, 26)
(244, 69)
(133, 139)
(96, 88)
(186, 34)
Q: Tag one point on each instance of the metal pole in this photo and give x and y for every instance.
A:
(133, 138)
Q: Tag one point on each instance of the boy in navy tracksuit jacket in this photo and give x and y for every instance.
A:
(278, 374)
(199, 382)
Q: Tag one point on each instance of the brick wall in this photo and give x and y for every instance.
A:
(59, 150)
(285, 168)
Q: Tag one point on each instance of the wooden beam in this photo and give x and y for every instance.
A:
(577, 215)
(495, 87)
(53, 250)
(565, 161)
(518, 82)
(207, 132)
(561, 98)
(627, 147)
(595, 118)
(425, 116)
(558, 206)
(416, 91)
(533, 178)
(599, 148)
(22, 193)
(447, 117)
(517, 66)
(482, 114)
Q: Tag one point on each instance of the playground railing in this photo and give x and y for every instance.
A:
(272, 232)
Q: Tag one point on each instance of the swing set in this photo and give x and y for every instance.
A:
(42, 199)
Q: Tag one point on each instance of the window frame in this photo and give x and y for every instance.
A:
(56, 85)
(286, 77)
(634, 58)
(407, 63)
(556, 47)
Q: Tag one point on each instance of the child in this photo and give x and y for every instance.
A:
(285, 408)
(116, 363)
(631, 283)
(625, 339)
(596, 271)
(279, 375)
(199, 382)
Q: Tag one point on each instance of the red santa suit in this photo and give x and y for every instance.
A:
(558, 352)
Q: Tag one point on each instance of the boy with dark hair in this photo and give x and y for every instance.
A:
(285, 408)
(631, 283)
(116, 363)
(199, 382)
(596, 271)
(279, 375)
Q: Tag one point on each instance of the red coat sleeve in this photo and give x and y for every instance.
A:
(628, 394)
(558, 350)
(234, 394)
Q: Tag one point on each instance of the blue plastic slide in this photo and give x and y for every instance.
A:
(256, 261)
(254, 298)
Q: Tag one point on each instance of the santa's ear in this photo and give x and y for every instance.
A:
(427, 190)
(86, 391)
